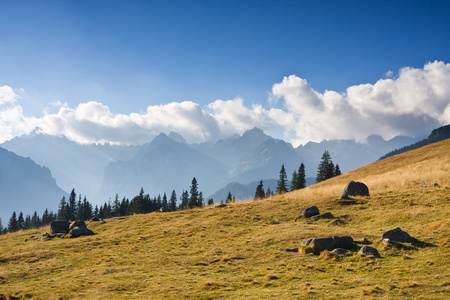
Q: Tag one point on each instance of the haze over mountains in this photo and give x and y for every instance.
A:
(169, 163)
(25, 186)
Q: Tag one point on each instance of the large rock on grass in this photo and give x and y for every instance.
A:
(59, 226)
(354, 188)
(79, 228)
(397, 235)
(317, 245)
(367, 250)
(310, 211)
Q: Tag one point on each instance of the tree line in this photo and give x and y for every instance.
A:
(81, 209)
(326, 169)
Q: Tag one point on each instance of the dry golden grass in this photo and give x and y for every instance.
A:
(248, 250)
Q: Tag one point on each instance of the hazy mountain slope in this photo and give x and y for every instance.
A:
(230, 152)
(25, 186)
(73, 165)
(349, 154)
(162, 166)
(437, 135)
(249, 250)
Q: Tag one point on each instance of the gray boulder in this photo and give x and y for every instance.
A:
(340, 251)
(367, 250)
(397, 235)
(327, 215)
(59, 226)
(310, 211)
(354, 188)
(79, 228)
(317, 245)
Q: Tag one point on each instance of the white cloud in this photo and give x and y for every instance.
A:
(413, 103)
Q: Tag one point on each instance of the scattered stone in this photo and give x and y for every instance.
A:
(317, 245)
(365, 241)
(338, 222)
(397, 235)
(310, 211)
(59, 226)
(327, 215)
(221, 205)
(96, 219)
(79, 228)
(340, 251)
(354, 188)
(116, 218)
(367, 250)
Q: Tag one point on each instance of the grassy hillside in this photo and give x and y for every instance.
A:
(248, 250)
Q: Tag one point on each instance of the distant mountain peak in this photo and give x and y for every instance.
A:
(177, 137)
(254, 132)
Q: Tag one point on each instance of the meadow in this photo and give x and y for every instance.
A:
(250, 249)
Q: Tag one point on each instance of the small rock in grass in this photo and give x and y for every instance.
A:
(367, 250)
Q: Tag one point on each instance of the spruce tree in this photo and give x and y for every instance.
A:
(184, 200)
(229, 198)
(12, 225)
(193, 200)
(1, 226)
(200, 199)
(210, 201)
(35, 220)
(20, 221)
(326, 168)
(27, 224)
(301, 177)
(62, 211)
(282, 181)
(165, 203)
(294, 181)
(72, 206)
(259, 194)
(337, 170)
(173, 201)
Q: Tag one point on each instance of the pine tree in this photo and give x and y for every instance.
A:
(326, 168)
(193, 200)
(337, 170)
(229, 198)
(62, 211)
(282, 184)
(173, 201)
(294, 181)
(210, 201)
(45, 217)
(35, 221)
(259, 194)
(116, 206)
(301, 177)
(72, 206)
(269, 192)
(27, 223)
(12, 225)
(184, 200)
(20, 221)
(1, 226)
(165, 203)
(200, 199)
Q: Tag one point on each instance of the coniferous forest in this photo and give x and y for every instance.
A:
(79, 208)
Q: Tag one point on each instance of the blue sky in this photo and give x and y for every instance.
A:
(129, 55)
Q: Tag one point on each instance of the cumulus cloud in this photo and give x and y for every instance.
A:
(413, 103)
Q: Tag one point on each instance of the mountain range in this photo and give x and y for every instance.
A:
(169, 163)
(25, 186)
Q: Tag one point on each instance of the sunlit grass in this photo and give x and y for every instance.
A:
(248, 250)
